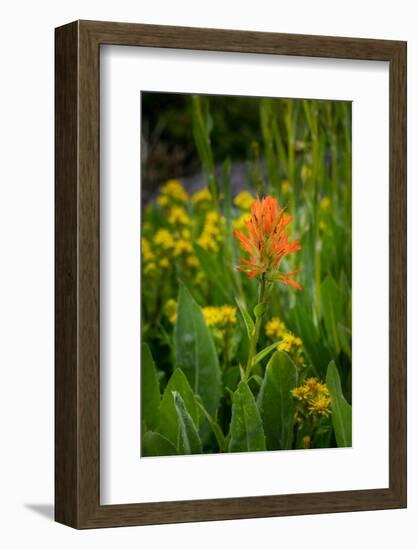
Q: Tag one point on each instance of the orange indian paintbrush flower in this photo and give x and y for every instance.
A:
(267, 242)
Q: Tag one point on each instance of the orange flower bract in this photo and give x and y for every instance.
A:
(267, 242)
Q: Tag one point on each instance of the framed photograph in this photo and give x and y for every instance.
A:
(230, 274)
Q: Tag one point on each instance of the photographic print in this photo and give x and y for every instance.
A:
(246, 272)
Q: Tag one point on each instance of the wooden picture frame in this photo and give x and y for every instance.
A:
(77, 375)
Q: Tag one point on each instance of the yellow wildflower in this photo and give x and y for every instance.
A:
(207, 242)
(174, 189)
(244, 200)
(289, 342)
(147, 253)
(239, 224)
(214, 218)
(275, 328)
(202, 197)
(285, 187)
(183, 247)
(212, 231)
(314, 396)
(325, 203)
(178, 216)
(220, 316)
(322, 388)
(164, 239)
(311, 384)
(192, 261)
(170, 310)
(162, 200)
(149, 269)
(164, 263)
(301, 393)
(320, 405)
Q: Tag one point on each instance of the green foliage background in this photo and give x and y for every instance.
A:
(194, 398)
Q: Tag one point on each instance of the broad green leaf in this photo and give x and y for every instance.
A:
(263, 353)
(231, 377)
(150, 390)
(341, 410)
(155, 444)
(188, 441)
(275, 402)
(168, 425)
(250, 325)
(246, 431)
(196, 354)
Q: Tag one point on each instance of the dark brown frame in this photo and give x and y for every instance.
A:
(77, 274)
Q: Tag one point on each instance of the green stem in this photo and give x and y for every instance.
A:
(256, 330)
(226, 349)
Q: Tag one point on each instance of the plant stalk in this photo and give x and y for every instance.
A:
(256, 330)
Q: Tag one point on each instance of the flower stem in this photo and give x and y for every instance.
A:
(256, 330)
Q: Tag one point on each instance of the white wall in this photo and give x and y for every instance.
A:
(26, 272)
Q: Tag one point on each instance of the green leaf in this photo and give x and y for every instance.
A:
(246, 431)
(231, 377)
(275, 402)
(188, 441)
(333, 310)
(341, 410)
(250, 325)
(155, 444)
(151, 397)
(263, 353)
(215, 428)
(195, 351)
(345, 338)
(259, 310)
(168, 425)
(210, 264)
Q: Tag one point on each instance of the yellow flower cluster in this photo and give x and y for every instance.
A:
(148, 257)
(220, 316)
(275, 329)
(164, 239)
(202, 197)
(175, 241)
(244, 200)
(314, 397)
(164, 246)
(172, 192)
(170, 310)
(183, 247)
(212, 232)
(239, 224)
(290, 342)
(178, 216)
